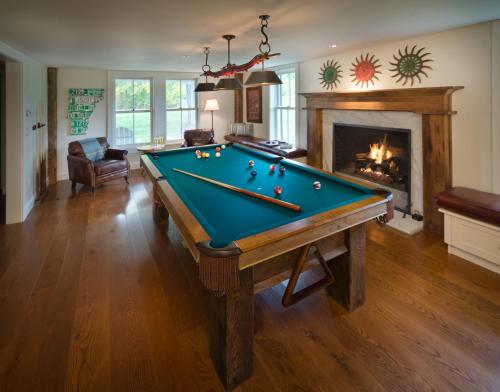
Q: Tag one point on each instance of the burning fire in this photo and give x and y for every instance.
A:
(379, 151)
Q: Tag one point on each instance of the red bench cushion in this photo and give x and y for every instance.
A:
(478, 205)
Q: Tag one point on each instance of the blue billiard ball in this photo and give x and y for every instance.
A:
(253, 173)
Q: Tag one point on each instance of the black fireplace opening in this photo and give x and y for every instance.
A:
(378, 155)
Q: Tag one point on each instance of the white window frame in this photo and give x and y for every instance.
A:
(151, 110)
(274, 106)
(181, 109)
(158, 104)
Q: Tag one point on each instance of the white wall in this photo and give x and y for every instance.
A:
(462, 57)
(33, 85)
(222, 117)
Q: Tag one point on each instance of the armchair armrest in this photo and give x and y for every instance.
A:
(80, 169)
(112, 153)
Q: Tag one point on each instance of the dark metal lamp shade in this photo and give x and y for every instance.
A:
(204, 87)
(229, 84)
(263, 78)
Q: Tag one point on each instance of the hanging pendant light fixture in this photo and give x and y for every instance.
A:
(263, 78)
(206, 68)
(229, 83)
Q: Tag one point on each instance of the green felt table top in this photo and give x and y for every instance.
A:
(227, 215)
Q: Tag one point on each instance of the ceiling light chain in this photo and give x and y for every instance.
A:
(259, 78)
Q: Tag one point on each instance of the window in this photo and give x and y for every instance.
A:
(180, 102)
(132, 111)
(283, 115)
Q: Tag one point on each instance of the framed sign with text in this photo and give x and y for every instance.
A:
(81, 104)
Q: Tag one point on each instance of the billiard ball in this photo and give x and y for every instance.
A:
(278, 190)
(282, 169)
(198, 156)
(204, 154)
(317, 185)
(217, 149)
(253, 173)
(272, 168)
(198, 152)
(251, 163)
(223, 146)
(217, 154)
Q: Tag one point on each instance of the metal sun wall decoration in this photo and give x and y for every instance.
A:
(410, 65)
(365, 70)
(330, 74)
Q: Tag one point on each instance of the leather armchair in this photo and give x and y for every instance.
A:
(198, 137)
(93, 170)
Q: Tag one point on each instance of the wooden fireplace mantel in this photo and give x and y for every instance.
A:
(435, 106)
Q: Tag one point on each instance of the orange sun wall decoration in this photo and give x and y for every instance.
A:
(365, 70)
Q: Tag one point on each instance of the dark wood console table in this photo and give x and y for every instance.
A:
(252, 141)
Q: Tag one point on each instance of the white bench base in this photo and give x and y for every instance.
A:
(473, 240)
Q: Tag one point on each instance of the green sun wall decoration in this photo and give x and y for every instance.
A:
(330, 74)
(410, 65)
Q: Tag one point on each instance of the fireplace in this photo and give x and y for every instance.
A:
(381, 156)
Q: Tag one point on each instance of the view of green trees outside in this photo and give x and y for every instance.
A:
(180, 102)
(133, 111)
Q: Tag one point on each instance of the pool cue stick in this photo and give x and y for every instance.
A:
(281, 203)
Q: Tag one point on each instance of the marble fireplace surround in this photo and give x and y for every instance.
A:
(403, 120)
(433, 105)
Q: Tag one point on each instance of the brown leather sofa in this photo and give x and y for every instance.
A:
(92, 162)
(198, 137)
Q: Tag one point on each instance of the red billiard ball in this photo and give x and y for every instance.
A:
(282, 169)
(317, 185)
(251, 163)
(272, 168)
(198, 152)
(217, 149)
(278, 190)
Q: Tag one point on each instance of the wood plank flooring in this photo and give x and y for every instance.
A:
(95, 297)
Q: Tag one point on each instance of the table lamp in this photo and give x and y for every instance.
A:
(212, 105)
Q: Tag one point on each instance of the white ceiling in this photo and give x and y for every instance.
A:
(169, 35)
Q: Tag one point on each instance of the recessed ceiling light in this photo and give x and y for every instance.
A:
(186, 56)
(332, 46)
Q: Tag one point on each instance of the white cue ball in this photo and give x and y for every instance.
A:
(217, 154)
(223, 146)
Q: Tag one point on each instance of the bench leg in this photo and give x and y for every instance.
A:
(231, 319)
(349, 270)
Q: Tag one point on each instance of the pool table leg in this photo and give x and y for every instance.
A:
(160, 213)
(349, 270)
(231, 319)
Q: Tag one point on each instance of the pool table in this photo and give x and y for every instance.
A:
(243, 244)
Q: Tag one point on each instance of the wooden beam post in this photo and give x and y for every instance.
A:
(238, 101)
(315, 138)
(52, 124)
(437, 169)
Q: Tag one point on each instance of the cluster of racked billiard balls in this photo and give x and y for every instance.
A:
(272, 168)
(206, 155)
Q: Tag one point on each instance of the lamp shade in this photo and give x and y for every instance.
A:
(204, 87)
(263, 78)
(229, 84)
(211, 104)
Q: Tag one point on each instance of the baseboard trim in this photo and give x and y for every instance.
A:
(474, 259)
(28, 207)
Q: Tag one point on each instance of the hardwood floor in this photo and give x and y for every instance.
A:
(94, 297)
